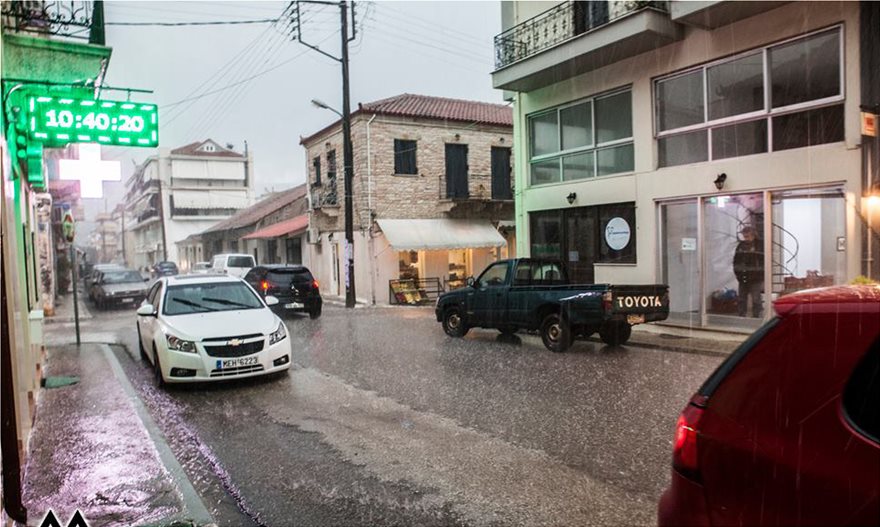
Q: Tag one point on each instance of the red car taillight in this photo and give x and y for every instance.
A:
(684, 452)
(607, 300)
(315, 285)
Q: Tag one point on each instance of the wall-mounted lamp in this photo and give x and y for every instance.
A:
(501, 140)
(571, 197)
(719, 181)
(327, 145)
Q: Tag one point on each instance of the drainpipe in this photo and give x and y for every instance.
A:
(370, 211)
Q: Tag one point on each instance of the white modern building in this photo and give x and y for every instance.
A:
(181, 192)
(649, 135)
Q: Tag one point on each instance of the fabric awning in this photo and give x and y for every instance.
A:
(299, 223)
(414, 235)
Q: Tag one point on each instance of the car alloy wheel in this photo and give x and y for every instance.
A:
(555, 333)
(453, 323)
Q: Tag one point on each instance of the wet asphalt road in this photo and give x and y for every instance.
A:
(386, 420)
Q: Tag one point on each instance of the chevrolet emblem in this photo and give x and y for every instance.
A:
(235, 342)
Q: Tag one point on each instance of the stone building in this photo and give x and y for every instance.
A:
(431, 188)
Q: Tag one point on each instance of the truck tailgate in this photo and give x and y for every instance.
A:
(652, 301)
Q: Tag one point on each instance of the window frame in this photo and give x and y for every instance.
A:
(592, 148)
(767, 113)
(415, 158)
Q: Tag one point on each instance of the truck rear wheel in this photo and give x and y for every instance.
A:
(615, 334)
(555, 333)
(453, 323)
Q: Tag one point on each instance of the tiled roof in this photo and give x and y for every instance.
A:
(428, 107)
(260, 209)
(410, 105)
(192, 149)
(295, 224)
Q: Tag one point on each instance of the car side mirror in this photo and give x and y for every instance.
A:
(147, 279)
(271, 300)
(147, 310)
(471, 282)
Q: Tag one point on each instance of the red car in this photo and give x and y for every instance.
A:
(787, 429)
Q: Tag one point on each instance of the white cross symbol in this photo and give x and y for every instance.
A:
(90, 170)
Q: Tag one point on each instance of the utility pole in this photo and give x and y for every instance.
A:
(347, 155)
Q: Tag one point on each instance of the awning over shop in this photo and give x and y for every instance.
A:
(414, 235)
(299, 223)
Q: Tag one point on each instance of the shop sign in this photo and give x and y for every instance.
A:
(688, 244)
(63, 120)
(617, 233)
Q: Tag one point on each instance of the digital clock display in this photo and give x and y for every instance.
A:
(62, 120)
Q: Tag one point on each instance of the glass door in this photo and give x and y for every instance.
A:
(681, 260)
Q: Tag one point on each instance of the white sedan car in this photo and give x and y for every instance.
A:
(195, 328)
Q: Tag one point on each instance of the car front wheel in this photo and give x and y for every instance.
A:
(556, 333)
(157, 369)
(453, 323)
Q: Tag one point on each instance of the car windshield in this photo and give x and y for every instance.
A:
(240, 261)
(121, 277)
(207, 297)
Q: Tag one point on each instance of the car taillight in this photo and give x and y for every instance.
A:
(607, 299)
(684, 452)
(265, 285)
(315, 285)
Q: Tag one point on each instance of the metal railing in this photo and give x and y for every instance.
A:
(560, 23)
(414, 291)
(83, 20)
(479, 189)
(326, 196)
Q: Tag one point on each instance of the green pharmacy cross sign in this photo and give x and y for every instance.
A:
(61, 120)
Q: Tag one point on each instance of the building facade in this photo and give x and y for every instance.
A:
(431, 186)
(272, 230)
(712, 146)
(43, 50)
(182, 192)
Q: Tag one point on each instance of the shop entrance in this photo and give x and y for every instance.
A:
(726, 258)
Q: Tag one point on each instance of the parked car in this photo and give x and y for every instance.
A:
(535, 294)
(293, 285)
(165, 269)
(118, 287)
(201, 268)
(233, 264)
(787, 430)
(195, 328)
(89, 279)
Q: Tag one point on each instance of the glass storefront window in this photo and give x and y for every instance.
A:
(681, 260)
(809, 239)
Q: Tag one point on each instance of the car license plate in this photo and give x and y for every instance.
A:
(294, 305)
(238, 363)
(632, 320)
(127, 300)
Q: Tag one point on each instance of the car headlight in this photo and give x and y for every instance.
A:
(178, 344)
(278, 335)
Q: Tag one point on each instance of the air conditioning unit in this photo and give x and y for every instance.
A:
(313, 236)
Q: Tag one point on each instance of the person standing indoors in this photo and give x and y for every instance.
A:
(748, 266)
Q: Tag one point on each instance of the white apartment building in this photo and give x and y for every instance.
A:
(650, 135)
(181, 192)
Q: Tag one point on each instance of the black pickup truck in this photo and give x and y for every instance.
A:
(535, 295)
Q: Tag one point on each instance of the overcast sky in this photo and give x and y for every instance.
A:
(431, 48)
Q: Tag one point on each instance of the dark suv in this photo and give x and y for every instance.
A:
(293, 285)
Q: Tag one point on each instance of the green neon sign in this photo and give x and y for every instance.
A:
(62, 120)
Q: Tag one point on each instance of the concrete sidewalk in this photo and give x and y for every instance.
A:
(94, 447)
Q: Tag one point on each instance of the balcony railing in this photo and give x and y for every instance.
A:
(83, 20)
(560, 23)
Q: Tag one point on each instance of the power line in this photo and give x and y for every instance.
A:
(204, 23)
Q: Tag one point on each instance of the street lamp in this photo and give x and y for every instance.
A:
(348, 179)
(320, 104)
